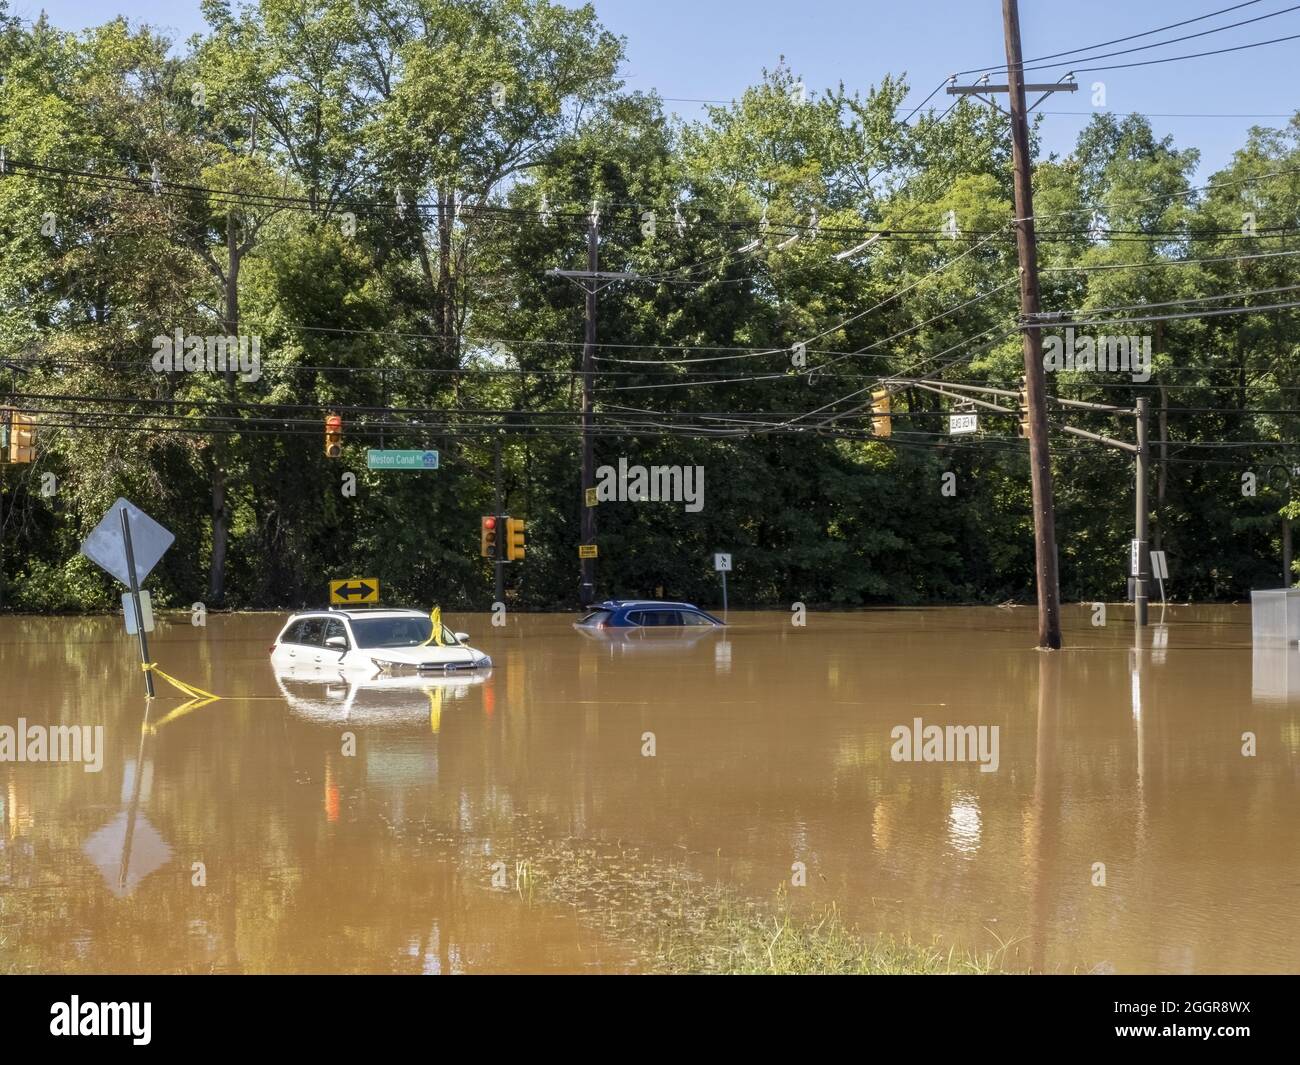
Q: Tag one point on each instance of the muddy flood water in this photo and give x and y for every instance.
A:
(514, 822)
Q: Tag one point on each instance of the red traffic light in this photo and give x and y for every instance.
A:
(489, 523)
(333, 424)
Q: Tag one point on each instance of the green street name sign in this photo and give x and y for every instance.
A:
(401, 460)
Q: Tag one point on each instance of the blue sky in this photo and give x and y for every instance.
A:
(711, 49)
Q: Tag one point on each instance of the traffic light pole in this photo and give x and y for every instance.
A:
(1142, 516)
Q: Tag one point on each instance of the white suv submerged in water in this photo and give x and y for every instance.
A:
(371, 642)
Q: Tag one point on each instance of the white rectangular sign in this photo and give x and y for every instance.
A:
(962, 423)
(1134, 557)
(146, 609)
(722, 563)
(1159, 567)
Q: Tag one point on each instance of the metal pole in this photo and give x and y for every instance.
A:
(1049, 596)
(1286, 539)
(135, 602)
(498, 572)
(587, 587)
(724, 593)
(1142, 516)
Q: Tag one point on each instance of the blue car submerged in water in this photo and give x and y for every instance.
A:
(641, 613)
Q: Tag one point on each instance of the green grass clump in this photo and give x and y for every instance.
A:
(738, 939)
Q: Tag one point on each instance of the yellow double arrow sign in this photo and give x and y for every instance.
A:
(355, 590)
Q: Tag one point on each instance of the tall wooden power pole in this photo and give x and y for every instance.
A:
(1040, 461)
(587, 583)
(591, 281)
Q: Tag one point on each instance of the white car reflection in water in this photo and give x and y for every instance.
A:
(373, 702)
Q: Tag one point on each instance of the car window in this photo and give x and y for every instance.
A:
(292, 632)
(334, 627)
(636, 617)
(393, 632)
(691, 618)
(312, 633)
(596, 617)
(663, 617)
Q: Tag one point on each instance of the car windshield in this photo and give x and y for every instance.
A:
(596, 617)
(396, 632)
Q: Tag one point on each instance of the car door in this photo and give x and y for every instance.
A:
(308, 647)
(286, 649)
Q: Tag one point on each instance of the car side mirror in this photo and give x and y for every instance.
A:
(337, 643)
(462, 637)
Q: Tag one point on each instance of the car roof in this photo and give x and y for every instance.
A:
(378, 612)
(621, 604)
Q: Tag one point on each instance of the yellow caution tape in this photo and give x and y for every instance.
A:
(197, 696)
(435, 619)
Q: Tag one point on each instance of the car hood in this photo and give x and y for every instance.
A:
(431, 656)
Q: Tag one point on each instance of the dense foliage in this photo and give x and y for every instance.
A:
(378, 196)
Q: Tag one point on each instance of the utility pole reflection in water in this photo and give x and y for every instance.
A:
(1044, 834)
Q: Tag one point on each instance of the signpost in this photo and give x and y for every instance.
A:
(589, 495)
(355, 590)
(722, 564)
(377, 459)
(127, 544)
(587, 551)
(962, 423)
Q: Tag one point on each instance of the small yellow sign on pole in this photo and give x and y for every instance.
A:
(587, 551)
(355, 590)
(591, 497)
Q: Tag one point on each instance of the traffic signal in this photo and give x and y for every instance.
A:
(881, 422)
(333, 436)
(487, 543)
(1022, 404)
(17, 437)
(514, 539)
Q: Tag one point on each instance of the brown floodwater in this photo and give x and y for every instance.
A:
(515, 823)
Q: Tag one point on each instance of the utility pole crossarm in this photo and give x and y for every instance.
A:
(590, 280)
(615, 275)
(978, 90)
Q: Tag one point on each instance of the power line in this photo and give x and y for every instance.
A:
(1118, 40)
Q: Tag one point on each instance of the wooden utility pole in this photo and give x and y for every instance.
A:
(591, 281)
(1040, 460)
(587, 583)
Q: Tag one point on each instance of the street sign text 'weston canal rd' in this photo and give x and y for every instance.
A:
(401, 460)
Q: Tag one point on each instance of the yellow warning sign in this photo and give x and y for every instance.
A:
(587, 551)
(355, 590)
(591, 497)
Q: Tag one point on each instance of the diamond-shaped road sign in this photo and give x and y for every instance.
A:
(106, 547)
